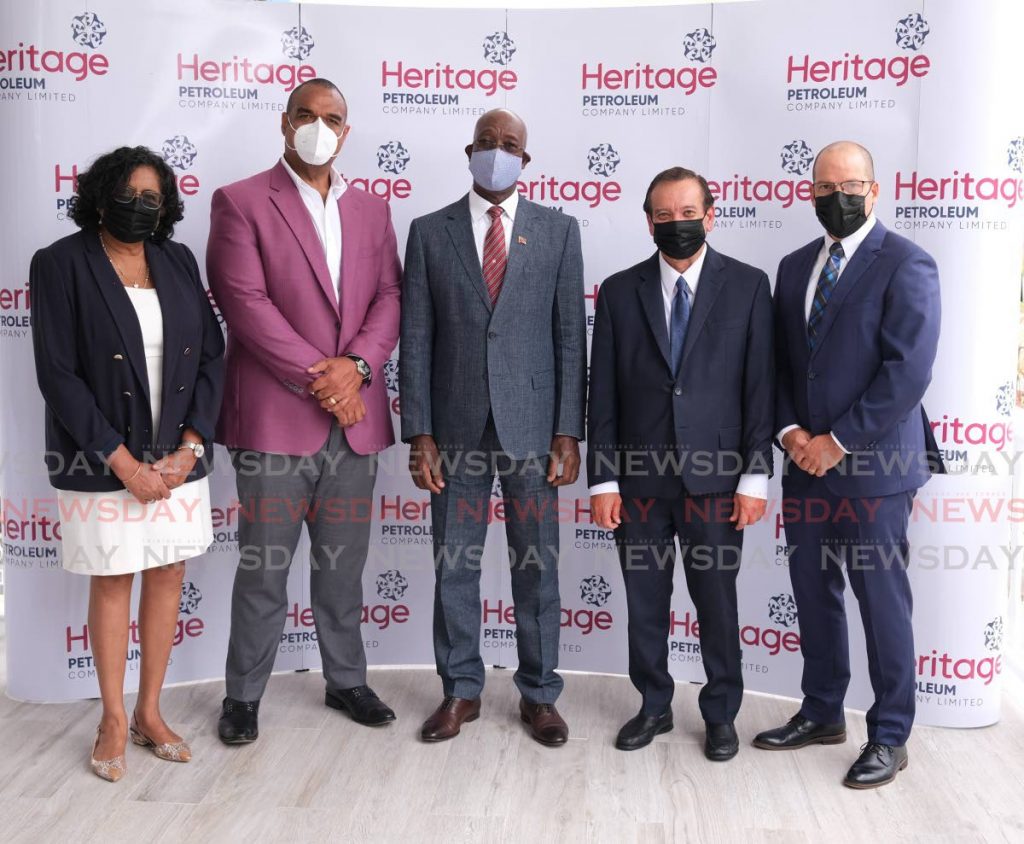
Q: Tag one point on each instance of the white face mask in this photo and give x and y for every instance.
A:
(315, 142)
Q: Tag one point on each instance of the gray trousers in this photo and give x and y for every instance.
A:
(331, 491)
(460, 531)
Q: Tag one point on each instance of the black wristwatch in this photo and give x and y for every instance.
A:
(363, 368)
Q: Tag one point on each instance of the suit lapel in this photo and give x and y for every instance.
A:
(797, 315)
(863, 258)
(460, 230)
(518, 256)
(709, 285)
(351, 233)
(170, 295)
(120, 307)
(653, 302)
(286, 199)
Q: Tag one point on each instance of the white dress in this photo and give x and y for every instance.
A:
(111, 532)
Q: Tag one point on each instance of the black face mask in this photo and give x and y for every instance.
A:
(840, 213)
(680, 239)
(132, 222)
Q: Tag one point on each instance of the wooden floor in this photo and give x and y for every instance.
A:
(315, 776)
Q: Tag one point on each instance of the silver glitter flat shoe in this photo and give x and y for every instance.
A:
(178, 751)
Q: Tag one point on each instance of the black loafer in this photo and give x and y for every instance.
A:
(640, 730)
(799, 732)
(362, 705)
(721, 742)
(239, 721)
(877, 765)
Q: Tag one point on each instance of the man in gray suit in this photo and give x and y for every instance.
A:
(493, 368)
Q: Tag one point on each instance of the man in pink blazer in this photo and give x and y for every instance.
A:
(305, 269)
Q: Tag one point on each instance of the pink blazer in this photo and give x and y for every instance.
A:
(267, 272)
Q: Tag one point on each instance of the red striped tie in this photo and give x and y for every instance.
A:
(494, 255)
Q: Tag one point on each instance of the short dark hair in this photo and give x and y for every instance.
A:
(678, 174)
(317, 82)
(96, 187)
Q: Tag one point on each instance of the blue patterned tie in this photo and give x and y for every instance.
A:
(677, 324)
(826, 284)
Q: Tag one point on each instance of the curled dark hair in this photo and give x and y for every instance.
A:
(96, 187)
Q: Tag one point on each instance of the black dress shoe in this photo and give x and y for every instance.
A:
(800, 732)
(362, 704)
(877, 765)
(721, 742)
(640, 730)
(239, 721)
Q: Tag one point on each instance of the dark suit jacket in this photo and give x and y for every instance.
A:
(657, 436)
(524, 360)
(91, 365)
(870, 367)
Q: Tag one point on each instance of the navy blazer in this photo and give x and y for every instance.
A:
(870, 366)
(657, 435)
(91, 365)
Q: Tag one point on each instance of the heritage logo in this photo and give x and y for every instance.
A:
(602, 160)
(782, 609)
(52, 65)
(238, 83)
(738, 200)
(650, 81)
(837, 83)
(973, 202)
(407, 87)
(190, 598)
(180, 153)
(392, 159)
(594, 590)
(939, 675)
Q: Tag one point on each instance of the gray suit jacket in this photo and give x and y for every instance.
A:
(524, 360)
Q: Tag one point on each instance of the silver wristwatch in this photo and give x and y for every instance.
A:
(362, 367)
(198, 449)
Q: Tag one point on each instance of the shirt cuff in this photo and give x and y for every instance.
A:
(608, 486)
(835, 439)
(785, 431)
(756, 486)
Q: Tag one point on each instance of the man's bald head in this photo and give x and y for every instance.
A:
(848, 156)
(501, 119)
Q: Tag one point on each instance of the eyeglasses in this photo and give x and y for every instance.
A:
(150, 198)
(511, 147)
(852, 187)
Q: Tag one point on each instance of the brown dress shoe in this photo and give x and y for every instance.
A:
(449, 717)
(546, 725)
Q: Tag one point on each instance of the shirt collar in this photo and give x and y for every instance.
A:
(851, 243)
(478, 206)
(338, 184)
(669, 275)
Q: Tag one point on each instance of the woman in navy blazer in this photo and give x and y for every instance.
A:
(129, 359)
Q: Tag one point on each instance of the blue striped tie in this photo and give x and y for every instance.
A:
(677, 323)
(826, 284)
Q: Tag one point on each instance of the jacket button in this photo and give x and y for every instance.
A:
(181, 388)
(126, 394)
(129, 429)
(118, 357)
(811, 376)
(678, 391)
(492, 334)
(188, 350)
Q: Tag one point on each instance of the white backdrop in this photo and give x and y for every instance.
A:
(744, 93)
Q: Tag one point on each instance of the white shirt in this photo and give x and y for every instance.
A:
(756, 486)
(478, 208)
(326, 219)
(850, 245)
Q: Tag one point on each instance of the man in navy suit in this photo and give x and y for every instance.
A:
(856, 327)
(680, 426)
